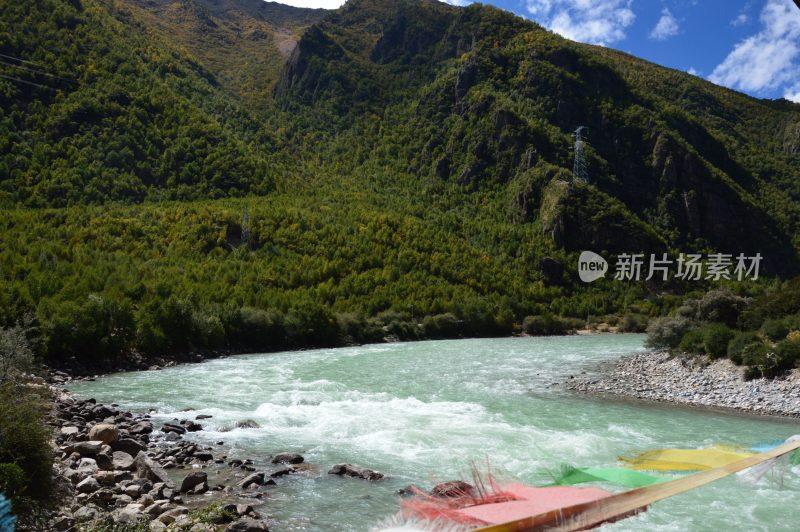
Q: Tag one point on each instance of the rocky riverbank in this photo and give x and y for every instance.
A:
(117, 468)
(662, 377)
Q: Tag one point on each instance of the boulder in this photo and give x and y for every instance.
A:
(105, 478)
(88, 485)
(147, 468)
(247, 424)
(128, 445)
(69, 431)
(130, 515)
(170, 516)
(350, 470)
(247, 525)
(143, 427)
(84, 514)
(133, 491)
(193, 479)
(122, 460)
(453, 489)
(255, 478)
(104, 461)
(158, 508)
(105, 432)
(169, 427)
(287, 458)
(87, 448)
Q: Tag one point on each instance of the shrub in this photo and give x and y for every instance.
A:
(24, 442)
(716, 337)
(721, 306)
(738, 343)
(441, 326)
(692, 342)
(667, 332)
(633, 323)
(546, 325)
(16, 355)
(95, 329)
(775, 329)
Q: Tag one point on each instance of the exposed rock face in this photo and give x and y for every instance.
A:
(350, 470)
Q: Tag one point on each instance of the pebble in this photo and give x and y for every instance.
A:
(662, 377)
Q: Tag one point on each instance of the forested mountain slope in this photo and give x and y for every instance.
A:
(182, 170)
(482, 98)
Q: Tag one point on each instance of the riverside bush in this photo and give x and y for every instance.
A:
(737, 344)
(25, 443)
(716, 337)
(667, 332)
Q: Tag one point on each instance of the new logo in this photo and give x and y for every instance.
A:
(591, 266)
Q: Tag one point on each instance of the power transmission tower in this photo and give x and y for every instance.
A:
(579, 168)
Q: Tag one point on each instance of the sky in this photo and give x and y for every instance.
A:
(752, 46)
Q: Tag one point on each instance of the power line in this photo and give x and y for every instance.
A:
(28, 82)
(4, 63)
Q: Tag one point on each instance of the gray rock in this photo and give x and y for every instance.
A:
(87, 448)
(88, 485)
(105, 432)
(247, 525)
(287, 458)
(247, 424)
(170, 516)
(147, 468)
(128, 445)
(193, 479)
(350, 470)
(85, 513)
(69, 431)
(255, 478)
(122, 460)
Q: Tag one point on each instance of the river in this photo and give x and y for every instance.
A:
(422, 411)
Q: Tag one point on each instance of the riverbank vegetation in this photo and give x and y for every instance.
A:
(416, 186)
(761, 332)
(25, 454)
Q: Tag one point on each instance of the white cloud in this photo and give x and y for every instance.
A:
(324, 4)
(693, 71)
(592, 21)
(766, 61)
(666, 27)
(458, 2)
(793, 93)
(741, 20)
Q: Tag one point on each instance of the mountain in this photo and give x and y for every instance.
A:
(486, 99)
(244, 43)
(176, 173)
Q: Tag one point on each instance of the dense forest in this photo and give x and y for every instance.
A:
(180, 175)
(387, 170)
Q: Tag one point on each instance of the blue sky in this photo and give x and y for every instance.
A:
(749, 45)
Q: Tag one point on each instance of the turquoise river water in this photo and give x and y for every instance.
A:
(421, 412)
